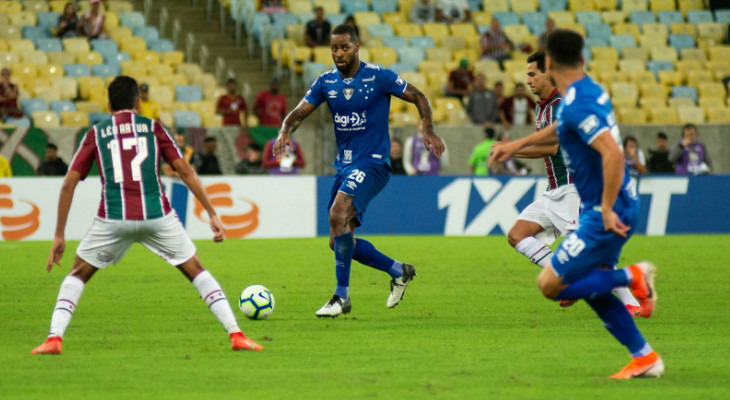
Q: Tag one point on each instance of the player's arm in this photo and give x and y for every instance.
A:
(537, 151)
(191, 180)
(411, 94)
(290, 124)
(547, 136)
(64, 205)
(613, 176)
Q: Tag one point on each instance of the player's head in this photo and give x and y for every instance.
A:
(51, 152)
(345, 46)
(538, 79)
(123, 94)
(564, 50)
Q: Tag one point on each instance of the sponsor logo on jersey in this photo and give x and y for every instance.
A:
(332, 94)
(24, 218)
(399, 80)
(330, 81)
(348, 92)
(589, 124)
(348, 156)
(351, 121)
(371, 79)
(352, 185)
(373, 66)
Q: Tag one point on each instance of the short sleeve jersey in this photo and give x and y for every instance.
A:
(360, 108)
(128, 149)
(545, 115)
(585, 113)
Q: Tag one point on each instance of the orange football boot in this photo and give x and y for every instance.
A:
(642, 285)
(239, 341)
(52, 345)
(648, 366)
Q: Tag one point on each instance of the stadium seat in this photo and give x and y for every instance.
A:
(49, 71)
(422, 42)
(633, 5)
(722, 16)
(105, 70)
(562, 17)
(45, 119)
(10, 32)
(714, 90)
(380, 30)
(697, 76)
(76, 70)
(133, 45)
(408, 30)
(620, 90)
(670, 78)
(365, 18)
(669, 17)
(535, 21)
(96, 117)
(635, 53)
(48, 20)
(682, 28)
(653, 90)
(32, 105)
(384, 6)
(688, 92)
(147, 33)
(67, 87)
(642, 17)
(89, 58)
(627, 29)
(658, 6)
(23, 18)
(493, 6)
(588, 17)
(621, 41)
(666, 115)
(187, 119)
(720, 53)
(48, 45)
(605, 53)
(691, 115)
(89, 84)
(383, 55)
(614, 17)
(685, 66)
(657, 66)
(411, 54)
(647, 103)
(714, 31)
(401, 67)
(35, 57)
(20, 46)
(61, 58)
(453, 43)
(656, 29)
(694, 54)
(663, 54)
(132, 19)
(631, 65)
(188, 93)
(600, 66)
(62, 105)
(680, 42)
(649, 41)
(632, 116)
(34, 33)
(550, 5)
(74, 118)
(353, 6)
(698, 16)
(717, 114)
(598, 31)
(506, 18)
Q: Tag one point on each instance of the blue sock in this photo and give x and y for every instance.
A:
(596, 283)
(620, 323)
(365, 253)
(343, 258)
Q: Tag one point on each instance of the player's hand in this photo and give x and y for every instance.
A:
(282, 141)
(434, 143)
(501, 151)
(54, 257)
(611, 223)
(219, 232)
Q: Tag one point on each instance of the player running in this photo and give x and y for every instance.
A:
(128, 148)
(556, 212)
(358, 95)
(581, 267)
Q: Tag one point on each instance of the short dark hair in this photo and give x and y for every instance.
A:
(230, 80)
(51, 146)
(489, 133)
(661, 135)
(689, 126)
(209, 139)
(565, 47)
(538, 58)
(630, 138)
(346, 30)
(123, 93)
(254, 146)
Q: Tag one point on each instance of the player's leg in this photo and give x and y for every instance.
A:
(522, 237)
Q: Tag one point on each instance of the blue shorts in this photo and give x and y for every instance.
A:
(361, 181)
(591, 247)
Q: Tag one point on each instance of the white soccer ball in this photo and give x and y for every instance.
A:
(256, 302)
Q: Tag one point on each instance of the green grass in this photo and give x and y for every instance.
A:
(472, 326)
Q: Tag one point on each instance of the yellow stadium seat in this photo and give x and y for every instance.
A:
(8, 59)
(481, 18)
(205, 81)
(23, 18)
(605, 54)
(416, 79)
(621, 90)
(10, 7)
(178, 106)
(74, 118)
(67, 87)
(465, 54)
(657, 29)
(524, 6)
(687, 5)
(562, 17)
(147, 57)
(607, 5)
(322, 55)
(57, 5)
(635, 53)
(633, 5)
(49, 71)
(4, 44)
(694, 54)
(89, 84)
(677, 102)
(394, 18)
(614, 17)
(47, 93)
(172, 57)
(453, 42)
(133, 46)
(631, 65)
(111, 22)
(486, 67)
(408, 30)
(682, 28)
(580, 5)
(158, 70)
(396, 105)
(189, 70)
(493, 6)
(686, 65)
(666, 115)
(399, 119)
(662, 5)
(75, 45)
(647, 103)
(718, 114)
(639, 77)
(10, 32)
(365, 18)
(120, 34)
(448, 104)
(431, 66)
(61, 58)
(213, 120)
(575, 27)
(711, 30)
(671, 78)
(24, 72)
(31, 84)
(202, 107)
(721, 69)
(295, 32)
(627, 29)
(438, 54)
(173, 80)
(89, 58)
(45, 119)
(720, 53)
(714, 90)
(118, 6)
(517, 33)
(87, 107)
(163, 95)
(697, 76)
(20, 46)
(464, 30)
(653, 90)
(35, 57)
(607, 77)
(330, 6)
(299, 6)
(437, 79)
(134, 69)
(663, 54)
(511, 67)
(601, 66)
(691, 115)
(35, 6)
(436, 30)
(632, 116)
(383, 55)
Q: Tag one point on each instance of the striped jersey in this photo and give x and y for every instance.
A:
(545, 115)
(128, 148)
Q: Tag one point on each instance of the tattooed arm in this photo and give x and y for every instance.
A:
(290, 124)
(415, 96)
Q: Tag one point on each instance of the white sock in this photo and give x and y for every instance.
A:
(215, 299)
(625, 295)
(68, 296)
(535, 250)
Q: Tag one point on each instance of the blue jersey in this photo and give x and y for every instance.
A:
(585, 113)
(360, 108)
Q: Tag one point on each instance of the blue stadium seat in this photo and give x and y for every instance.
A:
(595, 42)
(670, 17)
(308, 16)
(411, 54)
(256, 25)
(474, 5)
(353, 6)
(335, 19)
(115, 58)
(697, 16)
(105, 70)
(161, 46)
(422, 42)
(507, 18)
(656, 66)
(535, 21)
(588, 17)
(384, 6)
(35, 32)
(587, 56)
(642, 17)
(482, 29)
(284, 19)
(62, 105)
(722, 16)
(395, 41)
(311, 70)
(689, 92)
(188, 93)
(148, 33)
(553, 5)
(401, 67)
(76, 70)
(22, 122)
(48, 45)
(380, 30)
(187, 119)
(110, 55)
(598, 31)
(96, 117)
(683, 41)
(31, 105)
(48, 20)
(621, 41)
(132, 19)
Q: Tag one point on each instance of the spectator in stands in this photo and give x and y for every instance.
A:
(452, 11)
(350, 20)
(67, 22)
(499, 92)
(396, 157)
(251, 163)
(495, 44)
(460, 81)
(510, 166)
(689, 155)
(290, 163)
(483, 105)
(147, 108)
(270, 105)
(542, 39)
(232, 105)
(418, 160)
(271, 6)
(53, 165)
(206, 162)
(634, 157)
(92, 23)
(185, 149)
(519, 109)
(318, 30)
(659, 158)
(423, 12)
(5, 170)
(8, 96)
(480, 154)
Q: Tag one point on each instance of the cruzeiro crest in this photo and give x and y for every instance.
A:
(348, 92)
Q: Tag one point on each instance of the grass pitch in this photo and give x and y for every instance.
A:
(472, 326)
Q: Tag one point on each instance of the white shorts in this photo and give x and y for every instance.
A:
(107, 240)
(556, 212)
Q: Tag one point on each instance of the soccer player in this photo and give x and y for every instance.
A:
(358, 95)
(128, 148)
(581, 267)
(556, 212)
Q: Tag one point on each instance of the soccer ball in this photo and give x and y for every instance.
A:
(256, 302)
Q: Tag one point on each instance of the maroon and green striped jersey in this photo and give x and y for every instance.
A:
(545, 115)
(128, 149)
